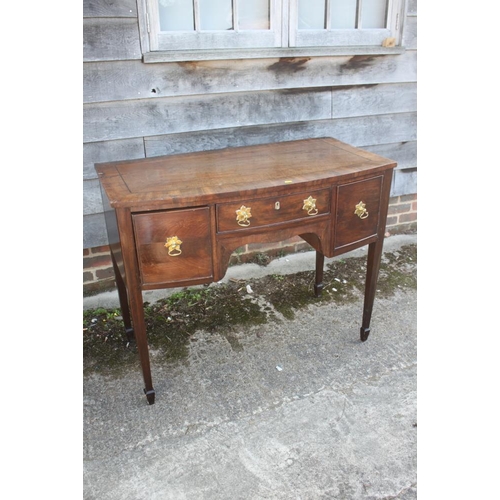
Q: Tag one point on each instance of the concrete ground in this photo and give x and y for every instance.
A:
(299, 409)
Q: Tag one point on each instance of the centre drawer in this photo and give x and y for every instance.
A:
(251, 213)
(173, 245)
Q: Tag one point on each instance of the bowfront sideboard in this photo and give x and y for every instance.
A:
(174, 221)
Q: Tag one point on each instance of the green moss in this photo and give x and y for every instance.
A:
(398, 270)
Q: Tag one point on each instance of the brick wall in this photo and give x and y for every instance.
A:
(98, 270)
(402, 215)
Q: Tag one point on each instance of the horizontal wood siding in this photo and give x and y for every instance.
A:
(127, 119)
(135, 110)
(107, 39)
(124, 80)
(361, 131)
(101, 152)
(109, 8)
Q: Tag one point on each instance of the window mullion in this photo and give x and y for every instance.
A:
(359, 11)
(328, 23)
(236, 24)
(282, 15)
(196, 10)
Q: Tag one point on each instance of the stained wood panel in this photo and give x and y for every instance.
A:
(110, 39)
(119, 120)
(405, 153)
(92, 202)
(358, 131)
(404, 182)
(410, 33)
(121, 80)
(100, 152)
(109, 8)
(365, 100)
(94, 231)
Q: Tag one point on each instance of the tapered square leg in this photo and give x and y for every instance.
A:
(372, 270)
(318, 284)
(123, 298)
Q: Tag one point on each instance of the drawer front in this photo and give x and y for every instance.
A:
(173, 245)
(249, 213)
(358, 208)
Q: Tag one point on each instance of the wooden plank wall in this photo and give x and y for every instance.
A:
(135, 110)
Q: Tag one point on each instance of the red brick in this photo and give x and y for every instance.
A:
(99, 261)
(399, 209)
(391, 221)
(408, 197)
(98, 286)
(88, 276)
(408, 217)
(101, 249)
(104, 273)
(301, 247)
(292, 241)
(262, 247)
(414, 206)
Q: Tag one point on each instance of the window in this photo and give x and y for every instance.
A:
(341, 22)
(210, 25)
(214, 24)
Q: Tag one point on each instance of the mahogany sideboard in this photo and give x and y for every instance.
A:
(174, 221)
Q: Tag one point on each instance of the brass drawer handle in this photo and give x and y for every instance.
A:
(361, 211)
(173, 245)
(310, 206)
(242, 216)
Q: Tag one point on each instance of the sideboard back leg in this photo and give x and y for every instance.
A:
(123, 297)
(137, 307)
(318, 285)
(373, 266)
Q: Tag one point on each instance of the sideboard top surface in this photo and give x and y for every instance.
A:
(199, 177)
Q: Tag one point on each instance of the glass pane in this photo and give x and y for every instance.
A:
(373, 14)
(176, 15)
(311, 14)
(343, 14)
(253, 15)
(216, 14)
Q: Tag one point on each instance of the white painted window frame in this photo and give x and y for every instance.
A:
(282, 40)
(214, 40)
(350, 37)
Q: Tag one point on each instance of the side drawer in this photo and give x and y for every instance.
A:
(272, 210)
(358, 208)
(173, 245)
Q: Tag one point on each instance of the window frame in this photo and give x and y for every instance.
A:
(345, 37)
(287, 42)
(215, 40)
